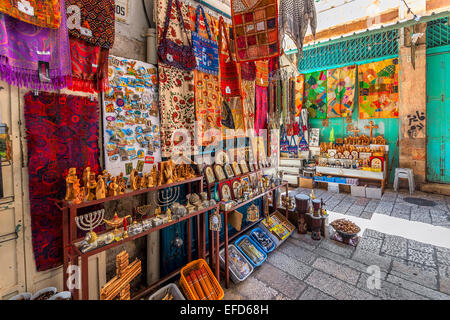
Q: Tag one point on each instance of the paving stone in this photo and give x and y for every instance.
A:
(420, 246)
(439, 217)
(254, 289)
(400, 215)
(373, 234)
(306, 238)
(337, 288)
(289, 265)
(231, 295)
(286, 284)
(366, 215)
(387, 290)
(337, 247)
(443, 256)
(395, 246)
(370, 259)
(385, 208)
(422, 267)
(372, 205)
(314, 294)
(444, 279)
(298, 253)
(420, 215)
(300, 243)
(401, 209)
(421, 257)
(419, 289)
(355, 211)
(337, 270)
(411, 273)
(343, 206)
(370, 244)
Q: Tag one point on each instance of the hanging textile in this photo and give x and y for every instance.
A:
(255, 27)
(316, 94)
(206, 50)
(176, 107)
(237, 113)
(378, 89)
(92, 21)
(341, 91)
(34, 57)
(299, 86)
(229, 75)
(261, 108)
(295, 17)
(208, 101)
(248, 94)
(262, 73)
(174, 52)
(227, 116)
(248, 70)
(62, 132)
(89, 66)
(45, 14)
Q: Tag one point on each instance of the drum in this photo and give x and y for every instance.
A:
(316, 204)
(302, 203)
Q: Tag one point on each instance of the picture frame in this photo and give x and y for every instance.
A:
(244, 167)
(236, 169)
(228, 171)
(209, 175)
(235, 185)
(218, 171)
(225, 191)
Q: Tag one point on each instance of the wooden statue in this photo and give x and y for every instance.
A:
(122, 184)
(106, 176)
(159, 178)
(71, 180)
(134, 179)
(119, 286)
(91, 187)
(144, 181)
(153, 180)
(100, 190)
(167, 172)
(85, 177)
(80, 193)
(113, 187)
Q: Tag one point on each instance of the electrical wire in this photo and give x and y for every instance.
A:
(146, 14)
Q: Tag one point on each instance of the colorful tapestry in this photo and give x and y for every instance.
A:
(176, 107)
(248, 94)
(378, 89)
(316, 94)
(92, 21)
(62, 132)
(34, 57)
(206, 49)
(341, 91)
(208, 102)
(255, 28)
(299, 86)
(248, 70)
(237, 112)
(262, 73)
(261, 108)
(131, 116)
(45, 14)
(89, 66)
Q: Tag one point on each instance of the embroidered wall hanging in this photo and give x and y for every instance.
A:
(34, 57)
(248, 70)
(341, 91)
(248, 94)
(176, 107)
(92, 20)
(208, 101)
(316, 94)
(45, 14)
(62, 132)
(255, 28)
(131, 116)
(229, 75)
(378, 89)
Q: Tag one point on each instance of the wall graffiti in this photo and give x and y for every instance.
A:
(416, 124)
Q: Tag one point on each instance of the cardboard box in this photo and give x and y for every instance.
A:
(373, 193)
(306, 182)
(358, 191)
(333, 187)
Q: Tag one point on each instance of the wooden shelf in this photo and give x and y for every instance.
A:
(142, 234)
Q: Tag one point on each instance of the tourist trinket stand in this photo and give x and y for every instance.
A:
(71, 252)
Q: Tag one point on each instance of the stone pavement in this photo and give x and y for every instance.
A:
(304, 269)
(391, 204)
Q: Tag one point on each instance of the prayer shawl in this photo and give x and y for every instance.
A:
(294, 18)
(89, 66)
(45, 14)
(92, 21)
(62, 132)
(23, 46)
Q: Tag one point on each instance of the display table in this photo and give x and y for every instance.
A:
(354, 173)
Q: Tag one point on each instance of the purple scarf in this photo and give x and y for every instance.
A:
(23, 46)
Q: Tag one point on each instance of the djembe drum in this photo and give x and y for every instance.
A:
(302, 205)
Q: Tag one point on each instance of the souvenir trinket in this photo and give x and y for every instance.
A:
(253, 213)
(215, 221)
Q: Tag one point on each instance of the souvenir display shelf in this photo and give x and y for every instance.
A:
(354, 173)
(248, 227)
(72, 253)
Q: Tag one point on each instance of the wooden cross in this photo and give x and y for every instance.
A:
(371, 126)
(354, 130)
(120, 284)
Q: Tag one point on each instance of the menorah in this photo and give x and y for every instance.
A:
(90, 221)
(167, 196)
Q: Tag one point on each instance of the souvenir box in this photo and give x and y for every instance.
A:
(251, 250)
(235, 275)
(258, 234)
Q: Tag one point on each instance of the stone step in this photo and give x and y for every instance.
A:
(438, 188)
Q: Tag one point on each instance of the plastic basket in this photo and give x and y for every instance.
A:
(286, 223)
(172, 287)
(234, 277)
(195, 265)
(257, 242)
(272, 236)
(236, 243)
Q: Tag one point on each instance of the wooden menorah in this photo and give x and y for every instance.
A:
(119, 286)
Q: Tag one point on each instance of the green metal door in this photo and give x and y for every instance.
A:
(438, 117)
